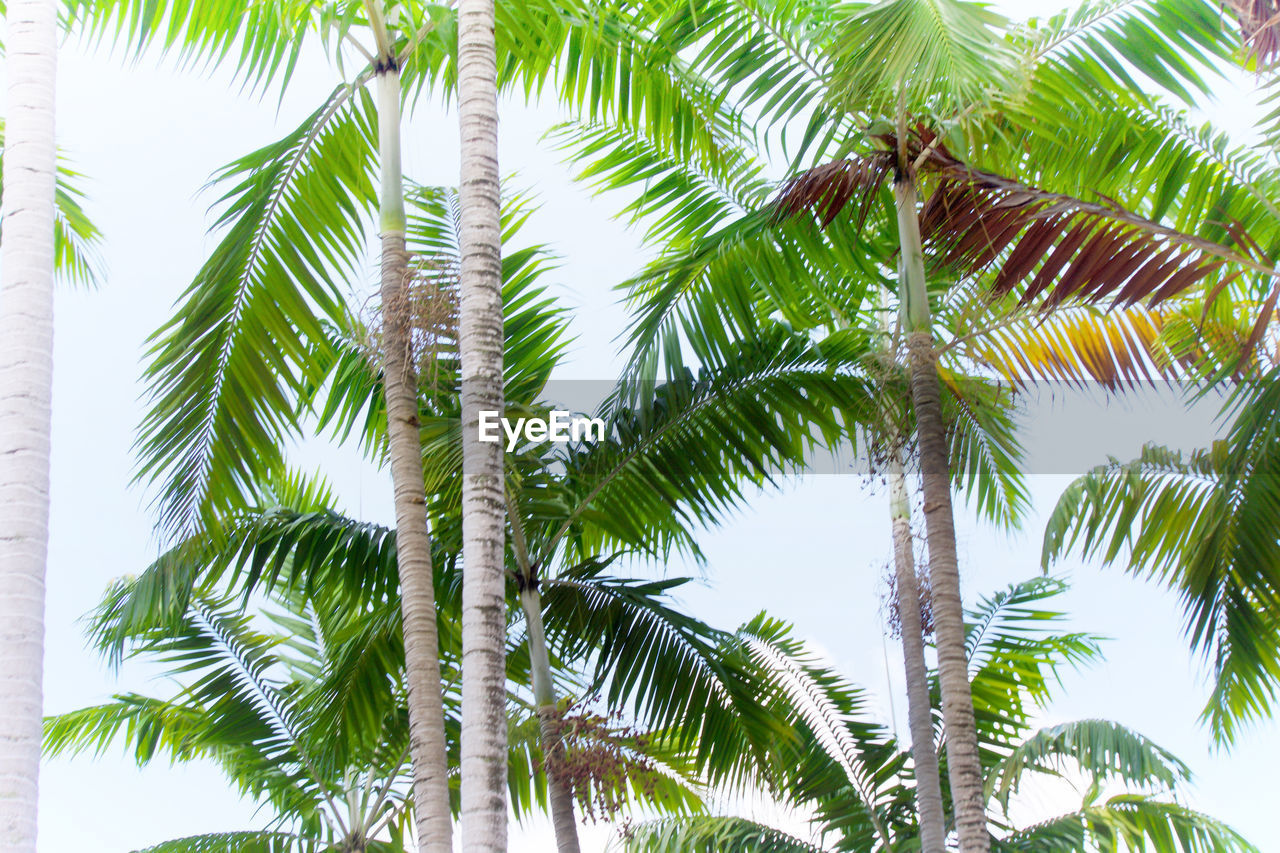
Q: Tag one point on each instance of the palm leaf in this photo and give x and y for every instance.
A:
(76, 240)
(235, 842)
(1100, 748)
(711, 834)
(1131, 823)
(224, 373)
(906, 54)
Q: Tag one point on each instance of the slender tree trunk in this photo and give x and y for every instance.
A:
(964, 768)
(26, 385)
(484, 722)
(428, 751)
(933, 824)
(544, 695)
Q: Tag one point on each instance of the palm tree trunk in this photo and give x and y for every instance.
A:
(544, 696)
(413, 539)
(481, 341)
(964, 768)
(26, 386)
(933, 826)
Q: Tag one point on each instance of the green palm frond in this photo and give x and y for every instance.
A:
(675, 196)
(1016, 655)
(846, 766)
(986, 454)
(1129, 822)
(1178, 45)
(297, 543)
(771, 404)
(236, 842)
(1190, 522)
(225, 372)
(939, 56)
(153, 727)
(625, 65)
(263, 40)
(1100, 748)
(711, 834)
(77, 241)
(642, 647)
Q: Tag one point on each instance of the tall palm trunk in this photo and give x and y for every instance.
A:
(933, 826)
(484, 724)
(26, 379)
(544, 696)
(413, 539)
(964, 768)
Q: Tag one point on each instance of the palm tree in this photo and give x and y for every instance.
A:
(582, 505)
(847, 774)
(227, 371)
(579, 505)
(26, 378)
(259, 696)
(302, 701)
(908, 80)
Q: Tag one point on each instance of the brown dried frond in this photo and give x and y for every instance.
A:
(1260, 27)
(1065, 248)
(1070, 249)
(828, 189)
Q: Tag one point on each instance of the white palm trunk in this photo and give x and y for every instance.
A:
(26, 374)
(480, 333)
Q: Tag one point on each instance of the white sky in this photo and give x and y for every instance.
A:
(149, 138)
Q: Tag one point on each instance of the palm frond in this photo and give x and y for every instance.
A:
(1103, 749)
(264, 40)
(711, 834)
(77, 241)
(235, 842)
(225, 372)
(642, 647)
(912, 55)
(1016, 655)
(1129, 822)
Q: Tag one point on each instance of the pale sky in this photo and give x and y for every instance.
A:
(149, 138)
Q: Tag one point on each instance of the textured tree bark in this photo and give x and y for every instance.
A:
(933, 823)
(432, 815)
(964, 768)
(484, 723)
(544, 695)
(26, 391)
